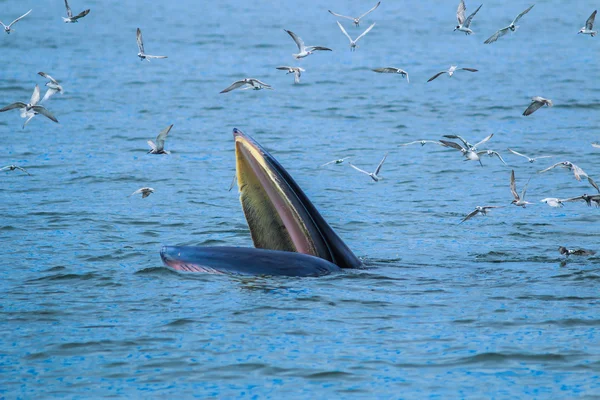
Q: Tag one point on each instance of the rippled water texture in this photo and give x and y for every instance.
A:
(487, 308)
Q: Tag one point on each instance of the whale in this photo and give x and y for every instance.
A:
(290, 236)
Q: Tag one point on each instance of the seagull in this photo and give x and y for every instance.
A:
(336, 162)
(423, 142)
(469, 145)
(575, 252)
(451, 71)
(536, 103)
(353, 45)
(250, 83)
(374, 175)
(8, 29)
(31, 109)
(553, 201)
(304, 51)
(140, 42)
(471, 153)
(518, 201)
(596, 145)
(145, 191)
(478, 210)
(392, 70)
(463, 24)
(72, 19)
(530, 159)
(512, 27)
(587, 198)
(589, 26)
(159, 147)
(297, 71)
(13, 167)
(356, 20)
(53, 87)
(577, 171)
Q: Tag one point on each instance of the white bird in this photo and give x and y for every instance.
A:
(519, 200)
(303, 50)
(512, 27)
(353, 45)
(451, 71)
(32, 108)
(374, 175)
(53, 87)
(357, 19)
(72, 19)
(297, 71)
(589, 26)
(596, 145)
(530, 159)
(13, 167)
(7, 28)
(577, 172)
(145, 191)
(249, 83)
(536, 103)
(423, 142)
(159, 147)
(393, 70)
(478, 210)
(338, 161)
(471, 152)
(140, 42)
(552, 201)
(464, 23)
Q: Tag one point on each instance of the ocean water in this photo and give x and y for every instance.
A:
(483, 309)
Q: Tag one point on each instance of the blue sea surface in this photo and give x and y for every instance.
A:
(483, 309)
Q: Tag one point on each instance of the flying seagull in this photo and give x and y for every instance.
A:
(336, 162)
(464, 23)
(553, 201)
(249, 83)
(304, 50)
(353, 44)
(536, 103)
(13, 167)
(145, 191)
(393, 70)
(575, 252)
(577, 171)
(596, 145)
(589, 26)
(423, 142)
(159, 147)
(70, 18)
(31, 109)
(469, 145)
(356, 20)
(530, 159)
(478, 210)
(53, 87)
(8, 29)
(451, 71)
(297, 71)
(374, 175)
(512, 27)
(140, 42)
(519, 200)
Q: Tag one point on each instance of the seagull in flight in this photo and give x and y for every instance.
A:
(353, 44)
(478, 210)
(451, 71)
(464, 23)
(577, 172)
(512, 27)
(469, 145)
(356, 20)
(519, 200)
(423, 142)
(73, 19)
(304, 50)
(553, 201)
(13, 167)
(7, 28)
(393, 70)
(596, 145)
(336, 162)
(159, 147)
(249, 83)
(297, 71)
(530, 159)
(575, 252)
(53, 87)
(145, 191)
(536, 103)
(589, 26)
(140, 42)
(31, 109)
(374, 175)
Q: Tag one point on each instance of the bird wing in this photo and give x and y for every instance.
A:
(297, 39)
(578, 172)
(518, 154)
(470, 17)
(232, 183)
(499, 33)
(35, 96)
(313, 48)
(460, 12)
(261, 83)
(297, 74)
(13, 106)
(572, 199)
(42, 110)
(151, 144)
(22, 169)
(469, 215)
(521, 15)
(365, 32)
(233, 86)
(524, 191)
(499, 156)
(454, 145)
(162, 136)
(69, 13)
(534, 106)
(45, 75)
(550, 167)
(360, 170)
(409, 143)
(18, 19)
(386, 70)
(340, 15)
(344, 31)
(149, 56)
(49, 93)
(285, 68)
(459, 138)
(370, 11)
(81, 14)
(469, 69)
(136, 192)
(591, 181)
(589, 24)
(488, 137)
(380, 164)
(436, 75)
(140, 41)
(513, 186)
